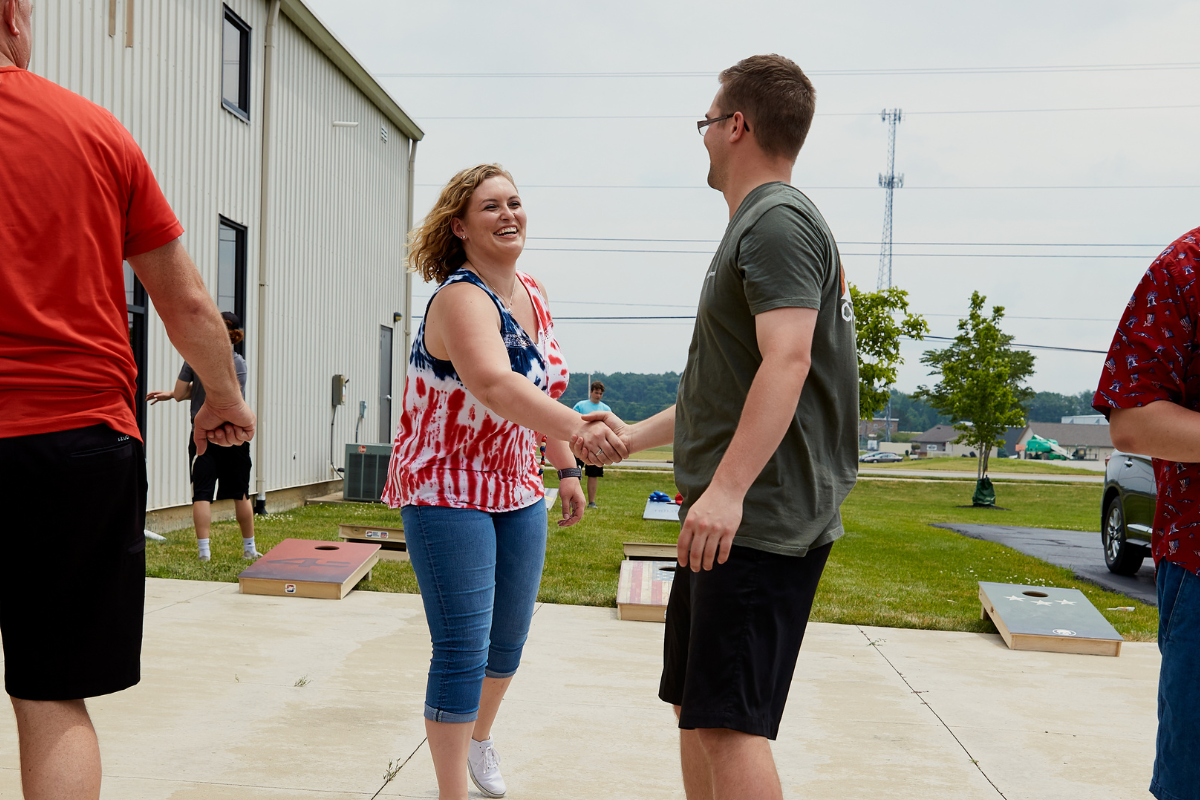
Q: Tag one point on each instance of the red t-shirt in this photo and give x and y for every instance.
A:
(76, 198)
(1153, 357)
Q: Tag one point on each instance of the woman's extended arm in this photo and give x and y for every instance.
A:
(481, 361)
(570, 492)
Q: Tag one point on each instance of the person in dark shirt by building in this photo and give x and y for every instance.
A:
(217, 474)
(1150, 392)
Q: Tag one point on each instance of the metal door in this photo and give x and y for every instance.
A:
(135, 309)
(385, 384)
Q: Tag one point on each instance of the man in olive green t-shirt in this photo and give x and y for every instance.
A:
(766, 439)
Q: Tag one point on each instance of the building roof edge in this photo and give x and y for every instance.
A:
(320, 35)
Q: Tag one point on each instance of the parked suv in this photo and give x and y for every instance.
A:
(1127, 511)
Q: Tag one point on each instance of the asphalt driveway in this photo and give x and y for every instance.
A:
(1079, 551)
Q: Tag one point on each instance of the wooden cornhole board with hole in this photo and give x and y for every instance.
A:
(649, 551)
(1046, 618)
(310, 568)
(390, 540)
(644, 589)
(666, 512)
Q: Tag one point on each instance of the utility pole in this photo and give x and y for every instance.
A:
(890, 182)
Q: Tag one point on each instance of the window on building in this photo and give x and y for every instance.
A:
(231, 272)
(235, 65)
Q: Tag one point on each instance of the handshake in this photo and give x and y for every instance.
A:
(602, 439)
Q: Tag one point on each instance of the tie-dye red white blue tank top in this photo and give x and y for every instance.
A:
(450, 450)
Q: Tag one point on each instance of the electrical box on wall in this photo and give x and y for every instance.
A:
(339, 390)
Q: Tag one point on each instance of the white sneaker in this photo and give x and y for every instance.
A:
(205, 558)
(483, 764)
(251, 556)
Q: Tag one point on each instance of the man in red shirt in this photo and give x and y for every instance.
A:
(78, 199)
(1150, 390)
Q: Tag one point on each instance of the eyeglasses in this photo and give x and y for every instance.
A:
(704, 123)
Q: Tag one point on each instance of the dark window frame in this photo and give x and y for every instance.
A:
(239, 272)
(244, 64)
(139, 342)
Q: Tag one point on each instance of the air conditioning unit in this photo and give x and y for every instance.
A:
(366, 472)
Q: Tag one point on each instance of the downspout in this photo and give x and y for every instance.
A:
(260, 372)
(412, 161)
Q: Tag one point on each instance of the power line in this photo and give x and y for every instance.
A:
(849, 188)
(898, 244)
(544, 117)
(1014, 344)
(897, 255)
(1008, 70)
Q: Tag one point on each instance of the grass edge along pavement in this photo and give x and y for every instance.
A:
(891, 569)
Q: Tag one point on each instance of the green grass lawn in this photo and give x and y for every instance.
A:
(995, 465)
(664, 453)
(890, 569)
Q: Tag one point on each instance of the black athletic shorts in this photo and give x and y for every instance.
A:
(590, 471)
(222, 473)
(73, 538)
(733, 636)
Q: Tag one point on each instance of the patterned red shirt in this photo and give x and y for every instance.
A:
(1154, 357)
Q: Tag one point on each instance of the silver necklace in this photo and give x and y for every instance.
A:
(512, 296)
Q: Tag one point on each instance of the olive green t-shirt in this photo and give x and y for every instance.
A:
(777, 253)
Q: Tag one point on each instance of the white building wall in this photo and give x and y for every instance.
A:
(337, 224)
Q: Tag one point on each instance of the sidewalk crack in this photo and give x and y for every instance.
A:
(391, 772)
(975, 761)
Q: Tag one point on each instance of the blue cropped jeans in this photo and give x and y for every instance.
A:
(1176, 766)
(479, 574)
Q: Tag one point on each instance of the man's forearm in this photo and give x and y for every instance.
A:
(656, 431)
(558, 453)
(192, 320)
(1161, 430)
(769, 409)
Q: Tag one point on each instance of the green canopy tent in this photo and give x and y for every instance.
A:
(1037, 444)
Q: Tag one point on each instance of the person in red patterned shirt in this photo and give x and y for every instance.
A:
(1150, 391)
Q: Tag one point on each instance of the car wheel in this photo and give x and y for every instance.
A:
(1122, 557)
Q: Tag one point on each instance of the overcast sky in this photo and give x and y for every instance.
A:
(950, 220)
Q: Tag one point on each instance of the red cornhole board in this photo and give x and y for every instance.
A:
(310, 568)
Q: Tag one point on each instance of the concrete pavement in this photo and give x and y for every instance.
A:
(970, 476)
(261, 698)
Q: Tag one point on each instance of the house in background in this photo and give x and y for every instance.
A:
(1091, 440)
(291, 170)
(939, 441)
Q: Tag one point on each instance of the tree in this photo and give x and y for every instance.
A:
(880, 319)
(981, 383)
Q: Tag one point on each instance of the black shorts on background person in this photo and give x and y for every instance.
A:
(220, 474)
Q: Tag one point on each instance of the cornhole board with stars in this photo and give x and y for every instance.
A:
(666, 512)
(644, 589)
(649, 551)
(1047, 618)
(310, 568)
(390, 540)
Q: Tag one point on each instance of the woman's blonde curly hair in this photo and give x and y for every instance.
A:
(434, 252)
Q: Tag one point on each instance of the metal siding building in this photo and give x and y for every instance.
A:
(337, 209)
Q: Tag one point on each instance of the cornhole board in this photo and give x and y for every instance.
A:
(551, 496)
(310, 568)
(390, 540)
(643, 590)
(666, 512)
(1046, 618)
(649, 551)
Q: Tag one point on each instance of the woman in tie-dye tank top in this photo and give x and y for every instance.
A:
(483, 378)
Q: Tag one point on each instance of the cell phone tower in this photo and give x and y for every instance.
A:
(889, 182)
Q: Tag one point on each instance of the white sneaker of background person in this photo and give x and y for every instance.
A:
(483, 764)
